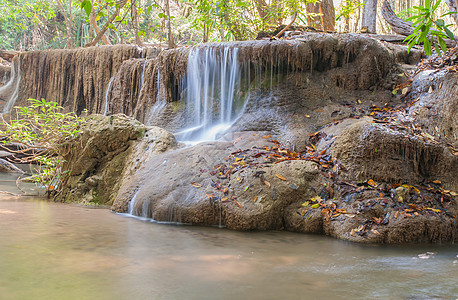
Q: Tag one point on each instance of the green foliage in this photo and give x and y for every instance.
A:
(43, 126)
(347, 8)
(428, 31)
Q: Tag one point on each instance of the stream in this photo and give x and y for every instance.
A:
(58, 251)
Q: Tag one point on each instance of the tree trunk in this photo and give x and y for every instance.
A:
(397, 24)
(370, 16)
(68, 24)
(134, 14)
(171, 42)
(94, 25)
(291, 23)
(105, 28)
(453, 8)
(326, 19)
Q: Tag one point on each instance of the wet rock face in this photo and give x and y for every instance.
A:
(286, 80)
(75, 78)
(376, 151)
(177, 187)
(437, 105)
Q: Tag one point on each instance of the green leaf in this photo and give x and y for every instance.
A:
(438, 50)
(440, 22)
(442, 44)
(87, 6)
(449, 33)
(436, 5)
(427, 47)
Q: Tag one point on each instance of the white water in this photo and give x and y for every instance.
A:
(132, 203)
(142, 77)
(106, 96)
(14, 79)
(213, 93)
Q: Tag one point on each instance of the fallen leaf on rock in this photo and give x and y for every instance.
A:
(307, 115)
(255, 198)
(196, 185)
(266, 136)
(238, 204)
(371, 183)
(280, 177)
(267, 183)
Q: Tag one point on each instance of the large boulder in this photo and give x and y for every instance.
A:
(107, 153)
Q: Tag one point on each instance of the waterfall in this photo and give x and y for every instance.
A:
(213, 97)
(106, 96)
(131, 207)
(142, 77)
(15, 78)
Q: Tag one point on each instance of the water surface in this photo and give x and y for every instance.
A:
(56, 251)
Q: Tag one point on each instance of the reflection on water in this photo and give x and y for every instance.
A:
(55, 251)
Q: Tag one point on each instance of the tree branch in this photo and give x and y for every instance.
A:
(105, 27)
(400, 26)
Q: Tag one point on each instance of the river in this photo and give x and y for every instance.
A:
(58, 251)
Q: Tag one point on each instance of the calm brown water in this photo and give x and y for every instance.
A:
(55, 251)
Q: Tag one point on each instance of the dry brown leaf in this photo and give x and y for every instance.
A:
(280, 177)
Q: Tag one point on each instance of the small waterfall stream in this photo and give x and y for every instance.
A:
(213, 97)
(106, 96)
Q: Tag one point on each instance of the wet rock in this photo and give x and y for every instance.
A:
(437, 107)
(7, 167)
(390, 154)
(76, 78)
(107, 153)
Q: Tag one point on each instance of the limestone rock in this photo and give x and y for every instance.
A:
(107, 153)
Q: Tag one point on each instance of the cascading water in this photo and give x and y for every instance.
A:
(14, 79)
(106, 96)
(213, 97)
(161, 102)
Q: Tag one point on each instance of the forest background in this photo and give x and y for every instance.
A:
(44, 24)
